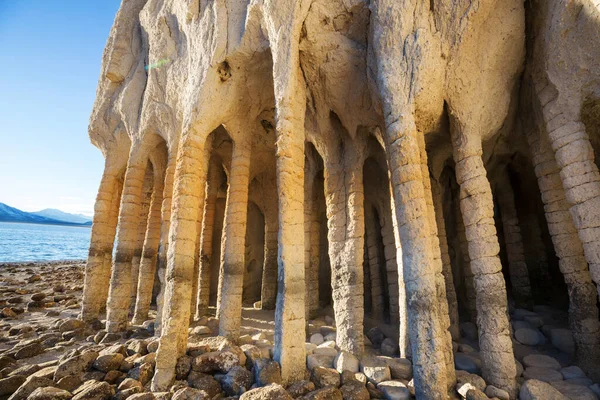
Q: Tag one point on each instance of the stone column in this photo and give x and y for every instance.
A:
(583, 310)
(150, 252)
(234, 240)
(371, 245)
(515, 251)
(97, 270)
(197, 260)
(391, 262)
(119, 295)
(446, 265)
(188, 198)
(441, 276)
(312, 280)
(290, 311)
(424, 325)
(269, 279)
(142, 231)
(578, 172)
(208, 225)
(283, 32)
(164, 238)
(468, 280)
(344, 198)
(309, 177)
(477, 208)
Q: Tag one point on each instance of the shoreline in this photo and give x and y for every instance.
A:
(42, 262)
(71, 224)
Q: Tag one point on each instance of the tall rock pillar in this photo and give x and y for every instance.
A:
(163, 247)
(119, 295)
(188, 196)
(583, 309)
(97, 270)
(233, 244)
(515, 251)
(477, 209)
(208, 226)
(150, 252)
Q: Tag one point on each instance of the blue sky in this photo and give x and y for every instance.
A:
(50, 55)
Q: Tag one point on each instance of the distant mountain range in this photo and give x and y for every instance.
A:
(48, 216)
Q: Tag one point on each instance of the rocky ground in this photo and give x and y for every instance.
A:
(46, 353)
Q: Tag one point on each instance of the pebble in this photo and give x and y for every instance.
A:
(528, 336)
(540, 360)
(465, 363)
(542, 374)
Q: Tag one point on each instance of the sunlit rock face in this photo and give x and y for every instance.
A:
(416, 165)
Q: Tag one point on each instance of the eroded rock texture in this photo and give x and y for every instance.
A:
(419, 165)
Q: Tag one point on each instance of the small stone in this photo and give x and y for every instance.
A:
(252, 354)
(520, 314)
(493, 391)
(29, 351)
(113, 376)
(475, 380)
(201, 331)
(142, 396)
(572, 391)
(188, 393)
(215, 362)
(142, 373)
(49, 393)
(11, 384)
(374, 392)
(316, 339)
(542, 374)
(326, 351)
(465, 363)
(316, 360)
(237, 381)
(75, 365)
(69, 383)
(376, 337)
(28, 387)
(375, 370)
(7, 312)
(580, 381)
(266, 371)
(323, 377)
(563, 340)
(400, 368)
(596, 389)
(300, 388)
(528, 336)
(71, 325)
(94, 390)
(183, 367)
(205, 382)
(270, 392)
(572, 372)
(542, 361)
(389, 347)
(328, 393)
(354, 390)
(108, 362)
(346, 361)
(394, 390)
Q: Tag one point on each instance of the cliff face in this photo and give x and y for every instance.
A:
(483, 110)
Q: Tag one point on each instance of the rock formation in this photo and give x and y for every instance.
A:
(427, 165)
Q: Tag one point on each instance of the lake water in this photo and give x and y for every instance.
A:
(32, 242)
